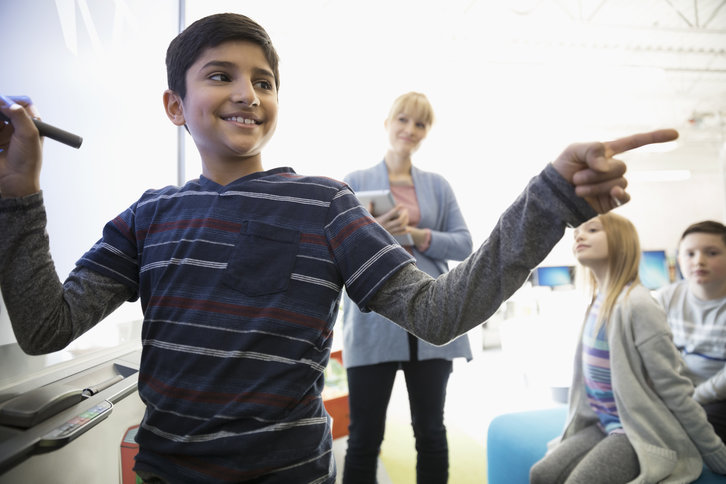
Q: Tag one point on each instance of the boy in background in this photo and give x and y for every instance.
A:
(696, 309)
(240, 272)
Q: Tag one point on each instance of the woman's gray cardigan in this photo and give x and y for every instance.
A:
(369, 338)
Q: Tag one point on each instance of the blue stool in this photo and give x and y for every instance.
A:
(515, 441)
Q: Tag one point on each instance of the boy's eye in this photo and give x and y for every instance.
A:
(264, 84)
(219, 76)
(420, 125)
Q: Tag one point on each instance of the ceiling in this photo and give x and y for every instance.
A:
(685, 37)
(597, 68)
(671, 52)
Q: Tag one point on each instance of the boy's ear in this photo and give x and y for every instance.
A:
(174, 107)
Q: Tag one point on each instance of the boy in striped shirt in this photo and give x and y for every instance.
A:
(240, 272)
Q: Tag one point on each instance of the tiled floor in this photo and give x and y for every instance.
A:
(478, 391)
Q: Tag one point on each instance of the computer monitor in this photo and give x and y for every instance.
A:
(553, 276)
(653, 270)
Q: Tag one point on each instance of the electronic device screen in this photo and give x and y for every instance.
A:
(653, 270)
(553, 276)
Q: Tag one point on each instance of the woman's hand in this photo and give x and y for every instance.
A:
(395, 221)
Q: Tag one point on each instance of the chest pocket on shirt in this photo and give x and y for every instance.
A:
(262, 261)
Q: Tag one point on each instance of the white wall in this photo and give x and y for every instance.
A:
(342, 64)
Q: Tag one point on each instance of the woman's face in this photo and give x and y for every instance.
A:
(405, 133)
(591, 244)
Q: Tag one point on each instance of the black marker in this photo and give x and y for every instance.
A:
(50, 131)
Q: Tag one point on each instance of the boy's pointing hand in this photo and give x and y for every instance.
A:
(596, 175)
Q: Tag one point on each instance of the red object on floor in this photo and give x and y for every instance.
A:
(129, 449)
(337, 407)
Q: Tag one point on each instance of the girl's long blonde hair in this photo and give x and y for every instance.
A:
(623, 262)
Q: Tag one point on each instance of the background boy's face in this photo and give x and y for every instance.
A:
(230, 107)
(702, 258)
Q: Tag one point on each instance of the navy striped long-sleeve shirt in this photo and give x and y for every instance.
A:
(236, 393)
(239, 286)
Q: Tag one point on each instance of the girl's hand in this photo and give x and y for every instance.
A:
(21, 148)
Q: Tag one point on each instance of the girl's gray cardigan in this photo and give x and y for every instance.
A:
(667, 428)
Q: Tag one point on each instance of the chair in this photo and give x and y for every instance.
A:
(515, 441)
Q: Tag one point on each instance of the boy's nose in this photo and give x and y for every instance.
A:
(246, 94)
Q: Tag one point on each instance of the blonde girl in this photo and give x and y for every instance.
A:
(631, 415)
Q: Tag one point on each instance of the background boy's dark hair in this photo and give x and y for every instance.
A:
(208, 32)
(706, 227)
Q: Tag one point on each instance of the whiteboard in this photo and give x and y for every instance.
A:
(95, 69)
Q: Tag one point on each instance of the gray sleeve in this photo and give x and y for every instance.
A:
(661, 297)
(713, 389)
(439, 310)
(46, 314)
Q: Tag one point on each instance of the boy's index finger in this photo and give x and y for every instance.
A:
(631, 142)
(27, 103)
(22, 100)
(21, 110)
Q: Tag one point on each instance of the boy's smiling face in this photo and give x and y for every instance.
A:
(230, 108)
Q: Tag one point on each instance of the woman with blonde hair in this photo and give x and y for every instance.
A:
(374, 349)
(631, 417)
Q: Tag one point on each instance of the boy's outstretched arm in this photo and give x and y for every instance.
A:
(46, 314)
(583, 181)
(30, 285)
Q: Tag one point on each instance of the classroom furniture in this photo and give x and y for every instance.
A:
(515, 441)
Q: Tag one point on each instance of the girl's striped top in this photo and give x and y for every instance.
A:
(596, 370)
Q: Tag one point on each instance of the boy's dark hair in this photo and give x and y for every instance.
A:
(706, 227)
(208, 32)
